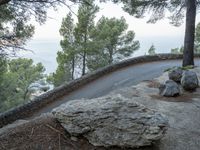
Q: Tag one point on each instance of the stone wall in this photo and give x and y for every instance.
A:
(26, 110)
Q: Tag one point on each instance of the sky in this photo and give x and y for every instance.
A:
(45, 42)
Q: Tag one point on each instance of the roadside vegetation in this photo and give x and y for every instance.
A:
(15, 80)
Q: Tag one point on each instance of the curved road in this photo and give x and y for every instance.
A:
(125, 77)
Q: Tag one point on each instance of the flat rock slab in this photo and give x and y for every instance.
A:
(112, 121)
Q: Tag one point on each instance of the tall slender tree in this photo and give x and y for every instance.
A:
(67, 57)
(85, 25)
(68, 43)
(75, 44)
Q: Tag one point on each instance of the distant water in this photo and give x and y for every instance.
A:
(45, 51)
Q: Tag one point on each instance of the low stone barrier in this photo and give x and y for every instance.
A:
(26, 110)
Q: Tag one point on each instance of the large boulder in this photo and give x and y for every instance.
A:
(189, 81)
(175, 75)
(169, 89)
(112, 121)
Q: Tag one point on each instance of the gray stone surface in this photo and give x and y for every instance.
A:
(169, 89)
(189, 81)
(175, 75)
(112, 121)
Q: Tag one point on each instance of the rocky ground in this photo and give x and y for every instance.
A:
(183, 113)
(45, 133)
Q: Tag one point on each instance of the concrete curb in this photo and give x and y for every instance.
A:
(26, 110)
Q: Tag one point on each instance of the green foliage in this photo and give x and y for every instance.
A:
(64, 71)
(50, 78)
(197, 39)
(152, 50)
(76, 43)
(112, 42)
(156, 9)
(197, 33)
(13, 30)
(177, 50)
(187, 67)
(66, 58)
(3, 66)
(15, 15)
(83, 29)
(18, 75)
(182, 68)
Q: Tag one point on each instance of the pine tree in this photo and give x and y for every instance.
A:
(68, 56)
(152, 50)
(15, 16)
(16, 78)
(85, 25)
(112, 42)
(75, 44)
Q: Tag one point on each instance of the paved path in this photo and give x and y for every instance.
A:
(118, 79)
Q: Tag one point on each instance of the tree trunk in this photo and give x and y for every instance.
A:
(110, 56)
(84, 63)
(73, 67)
(188, 54)
(25, 94)
(84, 53)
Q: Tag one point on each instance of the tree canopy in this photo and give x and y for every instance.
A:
(15, 15)
(112, 42)
(13, 30)
(18, 74)
(75, 43)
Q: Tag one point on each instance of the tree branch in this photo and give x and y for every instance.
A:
(2, 2)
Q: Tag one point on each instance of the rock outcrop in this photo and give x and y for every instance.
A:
(189, 81)
(169, 89)
(176, 75)
(112, 121)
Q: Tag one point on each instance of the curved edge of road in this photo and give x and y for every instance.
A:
(26, 110)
